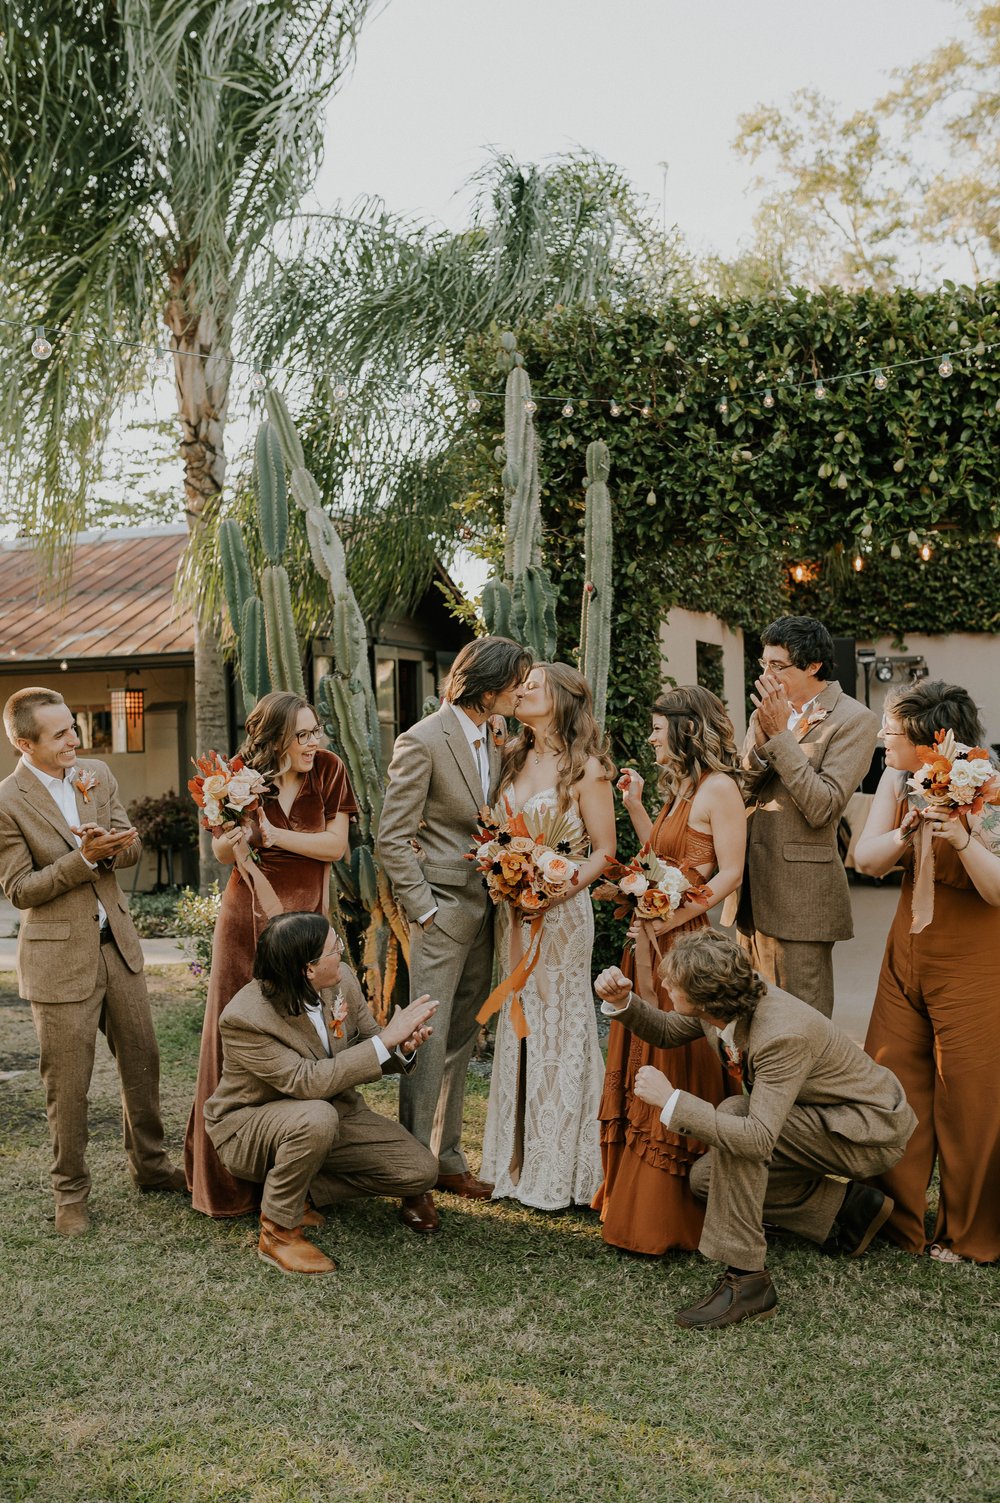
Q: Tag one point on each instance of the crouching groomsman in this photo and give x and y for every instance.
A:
(286, 1112)
(815, 1105)
(63, 835)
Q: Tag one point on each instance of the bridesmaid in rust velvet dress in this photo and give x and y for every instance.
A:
(297, 834)
(645, 1202)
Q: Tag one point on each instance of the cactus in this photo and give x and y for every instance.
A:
(236, 576)
(522, 603)
(595, 614)
(269, 485)
(279, 623)
(254, 672)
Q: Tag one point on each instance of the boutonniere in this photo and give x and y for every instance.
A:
(85, 783)
(498, 729)
(338, 1012)
(815, 716)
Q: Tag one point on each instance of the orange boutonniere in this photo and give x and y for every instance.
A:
(338, 1012)
(85, 784)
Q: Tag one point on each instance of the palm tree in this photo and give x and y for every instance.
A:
(148, 150)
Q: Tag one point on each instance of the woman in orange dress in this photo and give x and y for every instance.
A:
(935, 1020)
(645, 1202)
(297, 834)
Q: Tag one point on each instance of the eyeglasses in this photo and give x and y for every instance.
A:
(887, 730)
(304, 737)
(774, 667)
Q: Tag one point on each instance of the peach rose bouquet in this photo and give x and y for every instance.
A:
(525, 859)
(649, 887)
(226, 792)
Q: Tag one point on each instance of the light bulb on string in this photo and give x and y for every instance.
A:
(646, 410)
(925, 551)
(567, 409)
(820, 391)
(530, 406)
(859, 563)
(769, 399)
(722, 405)
(41, 348)
(258, 380)
(614, 409)
(945, 368)
(799, 573)
(162, 363)
(473, 405)
(881, 380)
(339, 392)
(895, 551)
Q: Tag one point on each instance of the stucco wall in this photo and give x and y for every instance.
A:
(966, 658)
(679, 635)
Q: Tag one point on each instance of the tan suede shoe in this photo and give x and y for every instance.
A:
(311, 1217)
(287, 1249)
(73, 1220)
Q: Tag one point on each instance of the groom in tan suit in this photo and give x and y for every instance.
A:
(807, 748)
(816, 1112)
(443, 770)
(63, 834)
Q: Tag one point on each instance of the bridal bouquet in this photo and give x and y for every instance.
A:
(955, 777)
(226, 791)
(525, 858)
(649, 887)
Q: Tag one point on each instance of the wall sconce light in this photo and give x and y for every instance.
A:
(128, 720)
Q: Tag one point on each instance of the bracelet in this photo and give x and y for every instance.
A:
(960, 848)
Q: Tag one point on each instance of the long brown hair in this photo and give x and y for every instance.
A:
(269, 730)
(699, 738)
(573, 723)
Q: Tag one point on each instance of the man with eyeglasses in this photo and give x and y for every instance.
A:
(297, 1041)
(807, 749)
(63, 836)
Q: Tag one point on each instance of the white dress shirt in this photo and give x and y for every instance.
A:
(61, 790)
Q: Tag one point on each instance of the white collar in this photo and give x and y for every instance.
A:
(473, 732)
(46, 778)
(728, 1034)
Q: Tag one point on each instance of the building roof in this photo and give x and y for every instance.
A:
(121, 602)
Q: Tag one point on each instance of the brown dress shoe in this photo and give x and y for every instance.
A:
(419, 1213)
(286, 1248)
(72, 1220)
(736, 1297)
(175, 1181)
(312, 1217)
(466, 1185)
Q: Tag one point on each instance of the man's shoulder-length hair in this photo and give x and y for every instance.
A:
(486, 666)
(714, 974)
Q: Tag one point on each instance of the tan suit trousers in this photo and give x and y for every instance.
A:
(67, 1035)
(802, 967)
(300, 1148)
(792, 1191)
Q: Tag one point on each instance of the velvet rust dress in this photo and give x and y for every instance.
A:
(302, 885)
(645, 1202)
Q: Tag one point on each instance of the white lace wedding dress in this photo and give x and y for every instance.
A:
(542, 1139)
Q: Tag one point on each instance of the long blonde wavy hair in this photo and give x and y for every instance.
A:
(699, 738)
(574, 726)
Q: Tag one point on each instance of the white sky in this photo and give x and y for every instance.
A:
(640, 82)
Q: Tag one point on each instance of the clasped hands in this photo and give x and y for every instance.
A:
(408, 1027)
(651, 1085)
(944, 826)
(773, 706)
(98, 844)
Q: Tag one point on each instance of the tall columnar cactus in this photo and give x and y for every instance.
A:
(595, 615)
(522, 602)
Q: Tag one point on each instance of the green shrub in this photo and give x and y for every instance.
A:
(197, 916)
(166, 823)
(154, 914)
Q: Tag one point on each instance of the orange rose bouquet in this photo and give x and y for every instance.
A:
(526, 859)
(955, 777)
(226, 792)
(649, 887)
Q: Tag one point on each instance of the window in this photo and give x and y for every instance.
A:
(115, 727)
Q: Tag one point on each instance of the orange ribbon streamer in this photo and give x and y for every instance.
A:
(923, 879)
(513, 985)
(262, 894)
(648, 958)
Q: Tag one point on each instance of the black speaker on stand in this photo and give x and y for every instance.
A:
(845, 665)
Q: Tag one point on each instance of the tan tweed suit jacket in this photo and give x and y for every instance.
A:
(434, 795)
(267, 1056)
(793, 1057)
(43, 873)
(798, 886)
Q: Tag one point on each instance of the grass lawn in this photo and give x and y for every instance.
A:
(512, 1358)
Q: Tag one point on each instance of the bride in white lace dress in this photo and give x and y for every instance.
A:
(542, 1139)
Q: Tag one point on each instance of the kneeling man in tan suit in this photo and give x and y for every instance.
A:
(814, 1105)
(286, 1112)
(63, 834)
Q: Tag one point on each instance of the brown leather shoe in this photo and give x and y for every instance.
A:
(419, 1213)
(73, 1219)
(174, 1182)
(287, 1249)
(312, 1217)
(466, 1185)
(736, 1297)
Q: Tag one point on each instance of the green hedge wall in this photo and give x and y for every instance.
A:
(710, 509)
